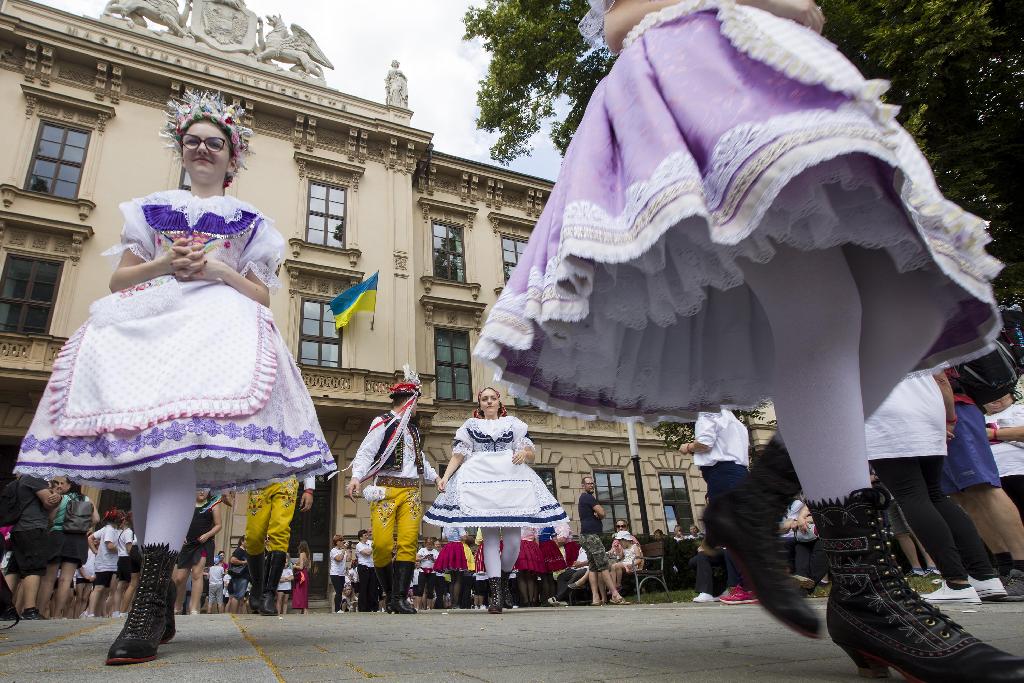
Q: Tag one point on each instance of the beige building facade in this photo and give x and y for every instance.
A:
(354, 187)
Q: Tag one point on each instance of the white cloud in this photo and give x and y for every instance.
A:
(361, 37)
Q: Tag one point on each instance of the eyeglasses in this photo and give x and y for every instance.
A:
(214, 144)
(620, 526)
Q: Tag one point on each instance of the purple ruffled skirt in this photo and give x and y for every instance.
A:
(720, 133)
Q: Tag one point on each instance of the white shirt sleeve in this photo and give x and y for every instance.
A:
(705, 432)
(309, 483)
(367, 452)
(429, 473)
(263, 254)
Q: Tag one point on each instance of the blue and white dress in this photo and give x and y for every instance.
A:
(174, 370)
(488, 490)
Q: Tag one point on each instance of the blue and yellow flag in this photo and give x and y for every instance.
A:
(362, 297)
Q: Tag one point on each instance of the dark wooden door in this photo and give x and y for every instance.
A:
(314, 527)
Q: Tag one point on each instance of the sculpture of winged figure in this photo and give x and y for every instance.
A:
(294, 47)
(162, 12)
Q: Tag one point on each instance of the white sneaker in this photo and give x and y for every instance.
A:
(989, 590)
(116, 615)
(87, 615)
(555, 602)
(705, 597)
(946, 595)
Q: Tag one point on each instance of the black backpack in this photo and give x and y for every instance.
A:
(10, 507)
(990, 377)
(78, 515)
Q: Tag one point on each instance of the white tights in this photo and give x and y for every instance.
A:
(163, 500)
(500, 558)
(846, 329)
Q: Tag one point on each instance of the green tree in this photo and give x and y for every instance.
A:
(956, 67)
(675, 434)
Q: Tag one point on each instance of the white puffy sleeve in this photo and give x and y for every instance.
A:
(263, 253)
(521, 433)
(592, 25)
(367, 451)
(463, 442)
(136, 235)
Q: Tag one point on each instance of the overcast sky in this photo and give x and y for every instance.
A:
(361, 37)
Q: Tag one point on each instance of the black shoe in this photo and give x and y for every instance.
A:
(878, 619)
(10, 614)
(385, 579)
(32, 614)
(146, 623)
(273, 568)
(508, 604)
(401, 579)
(495, 599)
(745, 520)
(169, 629)
(256, 576)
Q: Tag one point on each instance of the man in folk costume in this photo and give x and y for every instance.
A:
(268, 531)
(392, 456)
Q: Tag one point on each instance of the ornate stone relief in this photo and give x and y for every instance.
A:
(396, 87)
(66, 108)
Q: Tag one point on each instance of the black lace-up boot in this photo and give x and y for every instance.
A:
(878, 619)
(495, 595)
(273, 568)
(505, 591)
(257, 574)
(746, 520)
(172, 596)
(398, 601)
(145, 626)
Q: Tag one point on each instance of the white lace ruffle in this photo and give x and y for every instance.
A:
(192, 207)
(265, 273)
(591, 26)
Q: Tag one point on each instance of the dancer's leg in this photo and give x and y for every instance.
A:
(492, 552)
(512, 537)
(814, 310)
(140, 486)
(168, 504)
(897, 328)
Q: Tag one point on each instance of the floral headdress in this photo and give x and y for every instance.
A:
(208, 106)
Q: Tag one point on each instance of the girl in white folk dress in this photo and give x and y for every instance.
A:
(488, 483)
(180, 379)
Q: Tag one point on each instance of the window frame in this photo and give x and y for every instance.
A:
(673, 502)
(434, 251)
(25, 303)
(319, 340)
(553, 489)
(505, 265)
(468, 365)
(609, 505)
(59, 161)
(327, 216)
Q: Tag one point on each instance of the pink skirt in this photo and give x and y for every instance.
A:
(530, 558)
(452, 557)
(553, 560)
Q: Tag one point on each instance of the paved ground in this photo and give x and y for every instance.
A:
(650, 643)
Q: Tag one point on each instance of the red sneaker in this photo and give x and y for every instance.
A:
(738, 595)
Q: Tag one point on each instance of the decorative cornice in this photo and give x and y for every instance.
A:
(429, 282)
(89, 113)
(330, 170)
(67, 238)
(459, 313)
(447, 212)
(298, 246)
(10, 193)
(296, 268)
(513, 226)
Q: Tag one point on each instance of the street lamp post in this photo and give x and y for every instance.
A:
(634, 451)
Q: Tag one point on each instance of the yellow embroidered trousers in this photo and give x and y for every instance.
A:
(396, 525)
(271, 509)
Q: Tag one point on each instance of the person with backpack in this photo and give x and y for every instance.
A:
(27, 502)
(73, 518)
(971, 475)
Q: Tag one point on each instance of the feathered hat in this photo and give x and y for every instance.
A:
(209, 106)
(410, 386)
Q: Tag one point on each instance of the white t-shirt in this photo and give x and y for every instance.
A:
(124, 537)
(216, 574)
(426, 558)
(106, 560)
(793, 513)
(365, 560)
(725, 435)
(87, 570)
(1009, 454)
(910, 423)
(338, 557)
(286, 580)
